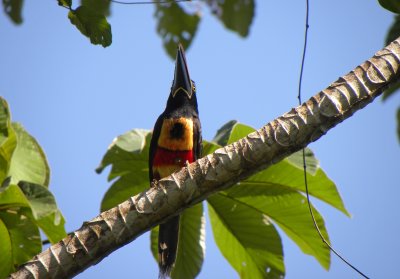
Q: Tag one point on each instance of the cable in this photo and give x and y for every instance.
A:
(304, 155)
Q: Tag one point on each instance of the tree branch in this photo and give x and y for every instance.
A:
(225, 167)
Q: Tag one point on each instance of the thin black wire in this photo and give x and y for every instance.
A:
(149, 2)
(304, 155)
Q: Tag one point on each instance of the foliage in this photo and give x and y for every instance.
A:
(13, 9)
(176, 22)
(26, 204)
(391, 5)
(243, 218)
(393, 33)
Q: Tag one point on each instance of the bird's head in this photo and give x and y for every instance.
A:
(183, 90)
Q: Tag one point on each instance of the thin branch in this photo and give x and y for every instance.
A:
(149, 2)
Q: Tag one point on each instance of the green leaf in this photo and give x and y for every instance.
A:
(65, 3)
(45, 212)
(393, 33)
(99, 6)
(8, 140)
(319, 185)
(40, 199)
(289, 172)
(191, 249)
(209, 147)
(246, 238)
(175, 26)
(13, 9)
(391, 5)
(128, 155)
(223, 133)
(12, 197)
(5, 120)
(24, 236)
(92, 24)
(28, 161)
(231, 132)
(36, 203)
(6, 265)
(398, 123)
(236, 15)
(289, 210)
(296, 159)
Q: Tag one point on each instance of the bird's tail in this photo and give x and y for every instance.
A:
(167, 246)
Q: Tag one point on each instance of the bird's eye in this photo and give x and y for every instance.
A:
(193, 86)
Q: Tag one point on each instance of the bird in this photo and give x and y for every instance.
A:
(176, 141)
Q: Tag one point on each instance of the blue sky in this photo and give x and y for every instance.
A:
(75, 98)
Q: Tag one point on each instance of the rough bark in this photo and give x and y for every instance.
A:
(288, 133)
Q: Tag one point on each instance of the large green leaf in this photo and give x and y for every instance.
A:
(236, 15)
(8, 140)
(13, 9)
(36, 203)
(45, 212)
(191, 247)
(289, 172)
(289, 210)
(23, 235)
(5, 251)
(128, 156)
(391, 5)
(28, 162)
(175, 26)
(92, 24)
(246, 238)
(319, 185)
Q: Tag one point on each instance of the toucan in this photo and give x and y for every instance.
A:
(176, 141)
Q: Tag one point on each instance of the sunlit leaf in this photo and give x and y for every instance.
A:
(28, 162)
(11, 197)
(128, 156)
(5, 251)
(296, 159)
(45, 212)
(289, 172)
(8, 140)
(289, 210)
(319, 185)
(175, 26)
(246, 238)
(391, 5)
(24, 235)
(209, 147)
(92, 24)
(191, 248)
(13, 9)
(236, 15)
(223, 133)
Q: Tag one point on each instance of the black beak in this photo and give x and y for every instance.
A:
(182, 79)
